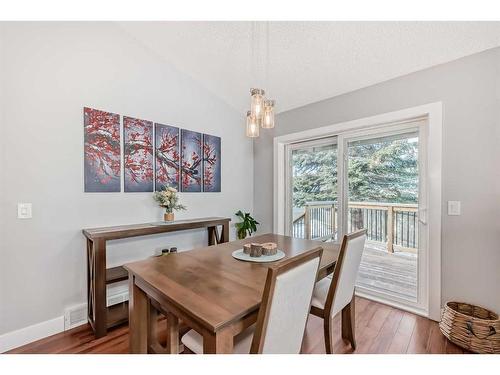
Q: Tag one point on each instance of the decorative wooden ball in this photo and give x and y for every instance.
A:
(255, 250)
(269, 248)
(246, 248)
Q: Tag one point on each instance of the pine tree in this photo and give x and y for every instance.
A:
(386, 171)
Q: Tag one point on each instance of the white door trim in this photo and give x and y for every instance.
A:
(433, 113)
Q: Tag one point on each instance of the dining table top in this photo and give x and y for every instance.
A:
(213, 288)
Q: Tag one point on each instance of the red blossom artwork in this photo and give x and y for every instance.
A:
(211, 163)
(167, 156)
(191, 145)
(101, 151)
(138, 154)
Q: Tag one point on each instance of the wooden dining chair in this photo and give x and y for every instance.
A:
(330, 297)
(283, 313)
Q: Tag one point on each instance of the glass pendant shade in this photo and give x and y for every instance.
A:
(252, 125)
(268, 117)
(257, 103)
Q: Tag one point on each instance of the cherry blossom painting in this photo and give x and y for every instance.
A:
(101, 151)
(191, 163)
(167, 159)
(211, 163)
(138, 154)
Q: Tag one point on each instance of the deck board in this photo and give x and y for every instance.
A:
(395, 273)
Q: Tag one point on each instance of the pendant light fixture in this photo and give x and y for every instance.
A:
(268, 119)
(252, 125)
(261, 109)
(257, 102)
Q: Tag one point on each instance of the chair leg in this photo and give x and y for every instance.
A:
(348, 323)
(328, 335)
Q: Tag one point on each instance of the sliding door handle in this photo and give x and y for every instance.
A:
(422, 216)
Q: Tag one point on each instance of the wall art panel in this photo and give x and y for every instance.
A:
(191, 163)
(167, 157)
(211, 163)
(102, 162)
(138, 154)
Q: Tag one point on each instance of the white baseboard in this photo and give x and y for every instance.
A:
(32, 333)
(115, 294)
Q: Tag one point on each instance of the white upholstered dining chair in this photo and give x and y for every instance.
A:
(283, 313)
(331, 297)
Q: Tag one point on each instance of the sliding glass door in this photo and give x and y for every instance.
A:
(382, 182)
(370, 179)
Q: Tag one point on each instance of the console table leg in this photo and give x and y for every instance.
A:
(225, 233)
(99, 282)
(211, 236)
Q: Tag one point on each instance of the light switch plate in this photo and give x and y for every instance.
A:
(24, 211)
(453, 208)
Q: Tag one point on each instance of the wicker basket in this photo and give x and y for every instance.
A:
(471, 327)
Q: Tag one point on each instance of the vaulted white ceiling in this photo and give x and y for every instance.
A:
(308, 61)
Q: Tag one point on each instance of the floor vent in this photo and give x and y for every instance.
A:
(75, 316)
(117, 298)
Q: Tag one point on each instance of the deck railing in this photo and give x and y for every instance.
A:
(394, 224)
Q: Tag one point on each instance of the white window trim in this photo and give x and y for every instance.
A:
(433, 112)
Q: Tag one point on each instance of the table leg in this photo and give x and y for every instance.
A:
(220, 342)
(154, 345)
(138, 318)
(172, 334)
(348, 323)
(212, 236)
(225, 233)
(99, 287)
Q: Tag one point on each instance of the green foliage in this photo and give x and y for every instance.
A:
(314, 175)
(247, 226)
(386, 171)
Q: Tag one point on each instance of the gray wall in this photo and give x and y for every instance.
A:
(49, 72)
(470, 91)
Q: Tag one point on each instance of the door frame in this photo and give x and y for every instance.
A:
(433, 113)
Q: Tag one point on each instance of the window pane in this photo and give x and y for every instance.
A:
(314, 191)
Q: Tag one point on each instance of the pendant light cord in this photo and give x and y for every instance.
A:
(267, 55)
(252, 53)
(259, 57)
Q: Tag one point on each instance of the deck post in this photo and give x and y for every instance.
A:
(333, 220)
(307, 222)
(390, 229)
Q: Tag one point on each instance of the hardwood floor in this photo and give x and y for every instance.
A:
(379, 329)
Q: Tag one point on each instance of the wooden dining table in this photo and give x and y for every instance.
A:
(209, 290)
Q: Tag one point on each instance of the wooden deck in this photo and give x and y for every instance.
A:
(393, 273)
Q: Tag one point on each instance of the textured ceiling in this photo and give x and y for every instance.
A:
(308, 61)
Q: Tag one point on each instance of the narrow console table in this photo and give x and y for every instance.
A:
(100, 317)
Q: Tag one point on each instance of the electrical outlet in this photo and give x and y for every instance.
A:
(453, 208)
(24, 211)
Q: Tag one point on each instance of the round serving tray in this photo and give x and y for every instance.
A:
(240, 255)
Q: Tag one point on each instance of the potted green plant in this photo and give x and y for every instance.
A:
(247, 226)
(169, 200)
